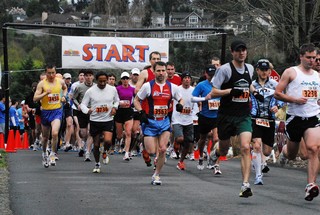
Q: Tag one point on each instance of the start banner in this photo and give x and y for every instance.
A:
(111, 52)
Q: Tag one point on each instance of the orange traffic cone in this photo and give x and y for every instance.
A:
(1, 141)
(11, 142)
(17, 140)
(25, 144)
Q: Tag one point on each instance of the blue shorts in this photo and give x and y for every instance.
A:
(47, 116)
(156, 127)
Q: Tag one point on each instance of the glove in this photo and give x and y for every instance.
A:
(179, 107)
(236, 92)
(258, 96)
(143, 117)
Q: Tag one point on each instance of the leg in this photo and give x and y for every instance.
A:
(163, 142)
(245, 138)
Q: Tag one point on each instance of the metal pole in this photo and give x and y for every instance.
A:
(6, 81)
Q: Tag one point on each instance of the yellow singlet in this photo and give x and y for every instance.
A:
(53, 100)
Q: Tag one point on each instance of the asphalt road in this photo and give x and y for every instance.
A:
(124, 188)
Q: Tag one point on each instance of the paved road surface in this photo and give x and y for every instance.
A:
(124, 188)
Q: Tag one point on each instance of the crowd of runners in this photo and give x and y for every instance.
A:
(157, 113)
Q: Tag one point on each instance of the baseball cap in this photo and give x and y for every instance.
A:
(263, 64)
(23, 102)
(210, 69)
(135, 71)
(185, 74)
(236, 44)
(125, 74)
(66, 75)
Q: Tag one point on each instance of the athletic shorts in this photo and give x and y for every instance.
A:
(296, 126)
(185, 131)
(265, 133)
(32, 122)
(67, 112)
(206, 124)
(83, 119)
(123, 115)
(229, 126)
(136, 115)
(97, 128)
(156, 127)
(47, 116)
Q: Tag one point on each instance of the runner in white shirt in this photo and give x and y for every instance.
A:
(104, 102)
(182, 122)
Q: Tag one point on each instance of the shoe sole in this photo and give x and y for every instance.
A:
(265, 170)
(156, 183)
(46, 165)
(314, 192)
(245, 194)
(96, 171)
(87, 160)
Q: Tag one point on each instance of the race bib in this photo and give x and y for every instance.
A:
(263, 122)
(213, 104)
(53, 98)
(310, 93)
(244, 97)
(102, 109)
(186, 110)
(160, 111)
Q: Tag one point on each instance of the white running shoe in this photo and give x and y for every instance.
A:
(52, 159)
(156, 180)
(126, 157)
(96, 168)
(105, 158)
(45, 160)
(87, 157)
(217, 170)
(200, 165)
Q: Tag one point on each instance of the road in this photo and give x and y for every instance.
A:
(124, 188)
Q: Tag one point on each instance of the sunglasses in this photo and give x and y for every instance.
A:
(125, 78)
(317, 60)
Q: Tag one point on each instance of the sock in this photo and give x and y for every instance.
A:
(256, 161)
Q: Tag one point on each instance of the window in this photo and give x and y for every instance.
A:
(193, 19)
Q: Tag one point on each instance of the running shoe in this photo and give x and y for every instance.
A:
(258, 180)
(312, 191)
(173, 155)
(81, 152)
(146, 158)
(245, 190)
(126, 157)
(282, 159)
(210, 164)
(56, 157)
(265, 169)
(181, 165)
(87, 157)
(35, 147)
(96, 168)
(213, 156)
(200, 165)
(111, 151)
(217, 170)
(67, 147)
(105, 158)
(134, 153)
(52, 159)
(191, 156)
(45, 160)
(156, 180)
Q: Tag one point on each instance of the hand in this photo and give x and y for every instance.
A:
(258, 96)
(179, 107)
(143, 117)
(236, 92)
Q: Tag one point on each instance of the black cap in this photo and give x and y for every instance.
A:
(185, 74)
(210, 69)
(263, 64)
(236, 44)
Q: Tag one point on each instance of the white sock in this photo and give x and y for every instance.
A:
(256, 161)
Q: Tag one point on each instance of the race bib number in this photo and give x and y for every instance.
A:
(263, 122)
(186, 110)
(53, 98)
(102, 109)
(244, 97)
(160, 111)
(310, 93)
(213, 104)
(124, 103)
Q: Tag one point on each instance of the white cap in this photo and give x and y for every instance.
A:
(135, 71)
(23, 102)
(125, 74)
(66, 75)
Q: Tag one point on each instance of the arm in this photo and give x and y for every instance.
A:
(137, 103)
(142, 78)
(64, 91)
(287, 76)
(84, 104)
(39, 93)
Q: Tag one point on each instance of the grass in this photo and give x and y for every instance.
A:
(3, 156)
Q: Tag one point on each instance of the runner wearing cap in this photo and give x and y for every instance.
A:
(124, 115)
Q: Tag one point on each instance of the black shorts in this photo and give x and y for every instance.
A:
(136, 115)
(83, 119)
(123, 115)
(206, 124)
(67, 112)
(296, 126)
(32, 121)
(265, 133)
(97, 128)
